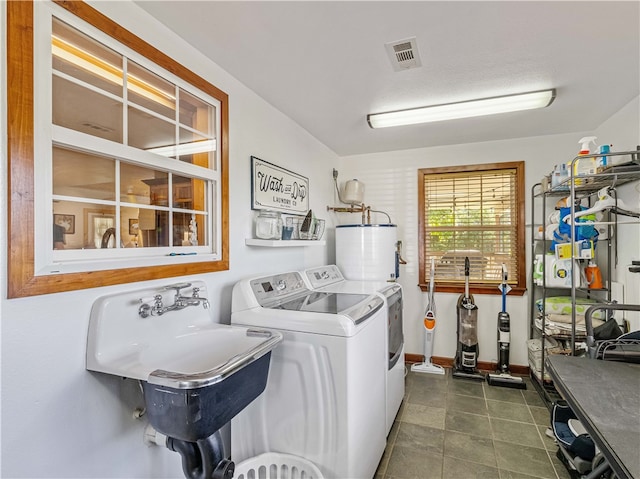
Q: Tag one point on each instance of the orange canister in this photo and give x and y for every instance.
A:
(594, 276)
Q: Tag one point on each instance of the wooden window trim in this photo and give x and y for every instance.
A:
(517, 289)
(21, 280)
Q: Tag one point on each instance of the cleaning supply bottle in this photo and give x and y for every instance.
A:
(602, 160)
(587, 165)
(585, 143)
(559, 176)
(594, 275)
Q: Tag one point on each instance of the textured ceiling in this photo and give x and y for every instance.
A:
(324, 64)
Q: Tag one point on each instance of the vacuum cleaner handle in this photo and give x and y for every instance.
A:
(504, 288)
(466, 278)
(431, 306)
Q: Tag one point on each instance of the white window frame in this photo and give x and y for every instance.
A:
(46, 135)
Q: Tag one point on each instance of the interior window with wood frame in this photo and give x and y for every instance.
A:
(131, 150)
(474, 212)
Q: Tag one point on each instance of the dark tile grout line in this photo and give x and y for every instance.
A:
(381, 473)
(542, 439)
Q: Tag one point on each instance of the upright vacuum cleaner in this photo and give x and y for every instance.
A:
(503, 377)
(466, 360)
(429, 332)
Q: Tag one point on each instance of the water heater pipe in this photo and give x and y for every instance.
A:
(365, 210)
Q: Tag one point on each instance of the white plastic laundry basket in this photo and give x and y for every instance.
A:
(273, 465)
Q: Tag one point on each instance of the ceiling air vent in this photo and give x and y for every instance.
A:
(404, 54)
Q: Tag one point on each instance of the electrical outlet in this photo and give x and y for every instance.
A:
(335, 174)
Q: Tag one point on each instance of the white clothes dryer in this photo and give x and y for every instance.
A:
(330, 279)
(325, 396)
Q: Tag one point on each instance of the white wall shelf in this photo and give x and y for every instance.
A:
(283, 243)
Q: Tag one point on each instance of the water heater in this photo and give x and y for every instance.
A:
(367, 252)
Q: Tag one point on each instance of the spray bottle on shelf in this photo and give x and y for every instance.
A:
(585, 143)
(588, 165)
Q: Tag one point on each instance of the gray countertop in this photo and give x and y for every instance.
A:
(605, 395)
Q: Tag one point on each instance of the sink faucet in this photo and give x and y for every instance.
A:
(179, 301)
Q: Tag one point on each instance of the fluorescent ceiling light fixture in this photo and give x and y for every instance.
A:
(185, 148)
(463, 109)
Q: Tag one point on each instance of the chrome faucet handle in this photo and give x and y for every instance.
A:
(203, 301)
(144, 310)
(158, 307)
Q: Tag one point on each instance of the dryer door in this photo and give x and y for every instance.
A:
(396, 335)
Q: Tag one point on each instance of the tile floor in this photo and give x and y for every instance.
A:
(460, 429)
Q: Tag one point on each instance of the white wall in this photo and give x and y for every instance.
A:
(622, 130)
(391, 185)
(58, 420)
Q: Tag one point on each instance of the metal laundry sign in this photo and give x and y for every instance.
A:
(275, 188)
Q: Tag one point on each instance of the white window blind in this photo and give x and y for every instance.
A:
(471, 214)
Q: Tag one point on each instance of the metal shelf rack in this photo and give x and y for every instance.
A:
(576, 189)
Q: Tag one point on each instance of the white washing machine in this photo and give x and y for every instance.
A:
(330, 279)
(325, 396)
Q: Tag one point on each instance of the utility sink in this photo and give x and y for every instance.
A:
(196, 374)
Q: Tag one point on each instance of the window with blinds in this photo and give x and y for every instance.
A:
(474, 212)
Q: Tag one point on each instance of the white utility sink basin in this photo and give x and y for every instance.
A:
(217, 347)
(196, 374)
